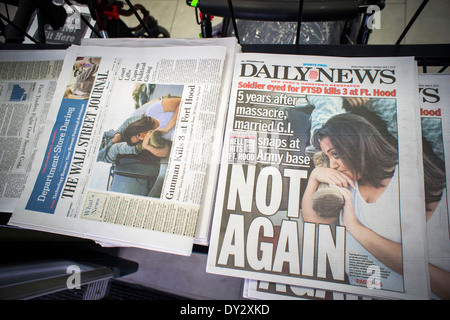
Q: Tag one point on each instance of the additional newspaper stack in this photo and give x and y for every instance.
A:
(434, 110)
(27, 83)
(271, 221)
(125, 153)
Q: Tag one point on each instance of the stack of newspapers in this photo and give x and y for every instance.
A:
(311, 177)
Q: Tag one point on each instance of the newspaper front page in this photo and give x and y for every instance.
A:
(27, 83)
(298, 124)
(125, 154)
(434, 111)
(209, 190)
(433, 107)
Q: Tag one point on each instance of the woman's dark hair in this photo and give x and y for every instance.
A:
(144, 124)
(434, 177)
(434, 174)
(360, 146)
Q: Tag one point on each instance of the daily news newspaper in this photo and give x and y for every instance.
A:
(125, 154)
(434, 111)
(360, 113)
(27, 83)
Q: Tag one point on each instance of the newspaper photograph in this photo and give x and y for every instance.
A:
(434, 102)
(321, 182)
(124, 156)
(27, 83)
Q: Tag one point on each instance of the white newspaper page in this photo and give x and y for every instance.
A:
(262, 290)
(124, 157)
(27, 83)
(434, 110)
(321, 178)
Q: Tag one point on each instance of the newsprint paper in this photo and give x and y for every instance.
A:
(125, 151)
(272, 224)
(209, 189)
(434, 100)
(434, 110)
(27, 82)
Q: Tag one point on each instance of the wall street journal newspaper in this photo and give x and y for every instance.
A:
(204, 222)
(296, 125)
(123, 159)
